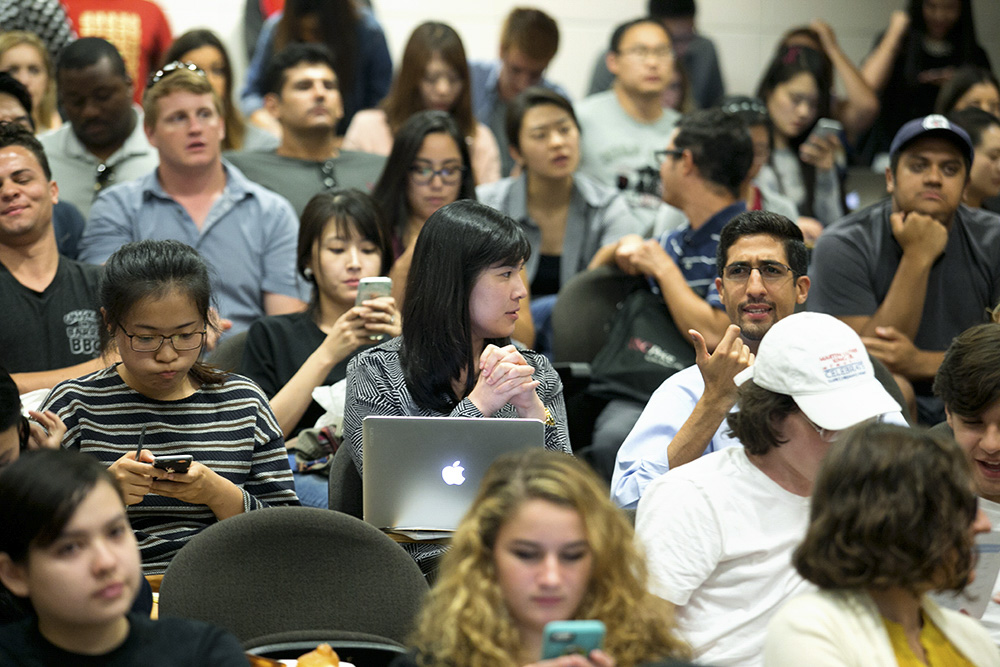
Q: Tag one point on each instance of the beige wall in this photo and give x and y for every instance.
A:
(744, 31)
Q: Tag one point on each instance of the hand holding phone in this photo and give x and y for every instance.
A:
(373, 288)
(177, 464)
(571, 637)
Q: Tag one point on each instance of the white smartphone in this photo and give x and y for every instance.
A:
(826, 127)
(372, 288)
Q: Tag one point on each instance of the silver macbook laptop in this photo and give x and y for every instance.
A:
(421, 473)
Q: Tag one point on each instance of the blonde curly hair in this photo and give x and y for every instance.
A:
(465, 621)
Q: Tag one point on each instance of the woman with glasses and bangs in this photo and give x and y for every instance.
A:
(427, 168)
(162, 400)
(894, 517)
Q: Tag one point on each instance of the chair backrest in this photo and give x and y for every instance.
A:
(285, 569)
(582, 316)
(228, 354)
(345, 484)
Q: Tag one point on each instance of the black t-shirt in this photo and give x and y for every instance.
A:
(168, 642)
(40, 331)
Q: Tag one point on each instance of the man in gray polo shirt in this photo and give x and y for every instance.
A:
(103, 143)
(915, 270)
(248, 235)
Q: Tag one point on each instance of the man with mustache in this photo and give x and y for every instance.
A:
(913, 271)
(247, 234)
(103, 143)
(302, 94)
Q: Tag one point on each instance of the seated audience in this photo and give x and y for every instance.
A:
(433, 75)
(103, 141)
(49, 331)
(15, 107)
(155, 298)
(541, 527)
(341, 240)
(66, 546)
(893, 518)
(912, 59)
(302, 93)
(969, 87)
(621, 128)
(968, 382)
(138, 28)
(983, 129)
(203, 48)
(704, 165)
(567, 216)
(719, 531)
(911, 272)
(803, 162)
(350, 32)
(529, 40)
(24, 56)
(245, 232)
(858, 108)
(697, 60)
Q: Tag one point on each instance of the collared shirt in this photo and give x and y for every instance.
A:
(598, 215)
(694, 252)
(74, 168)
(249, 238)
(490, 110)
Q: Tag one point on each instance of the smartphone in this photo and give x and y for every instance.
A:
(826, 127)
(571, 637)
(372, 288)
(179, 463)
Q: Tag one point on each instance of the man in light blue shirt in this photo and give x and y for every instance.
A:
(528, 43)
(247, 234)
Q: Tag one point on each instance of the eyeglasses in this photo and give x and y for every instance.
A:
(105, 177)
(825, 434)
(422, 175)
(661, 156)
(329, 175)
(643, 52)
(770, 272)
(169, 68)
(182, 342)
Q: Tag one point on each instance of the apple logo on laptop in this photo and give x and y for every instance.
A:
(452, 475)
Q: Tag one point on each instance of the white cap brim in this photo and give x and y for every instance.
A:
(846, 406)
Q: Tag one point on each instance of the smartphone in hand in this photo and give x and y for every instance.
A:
(372, 288)
(177, 463)
(571, 637)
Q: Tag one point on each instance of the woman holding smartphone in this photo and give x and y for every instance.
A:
(541, 543)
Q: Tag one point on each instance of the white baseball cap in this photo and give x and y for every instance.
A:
(822, 364)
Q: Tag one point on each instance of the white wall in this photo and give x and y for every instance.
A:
(745, 31)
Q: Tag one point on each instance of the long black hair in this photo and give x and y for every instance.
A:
(962, 38)
(390, 191)
(151, 268)
(457, 243)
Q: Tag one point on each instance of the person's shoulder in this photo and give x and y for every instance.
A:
(595, 104)
(53, 141)
(288, 322)
(128, 196)
(89, 273)
(198, 637)
(869, 221)
(268, 198)
(493, 194)
(983, 225)
(594, 192)
(358, 159)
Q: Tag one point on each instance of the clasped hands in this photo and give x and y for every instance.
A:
(505, 377)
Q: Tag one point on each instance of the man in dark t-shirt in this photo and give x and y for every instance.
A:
(50, 324)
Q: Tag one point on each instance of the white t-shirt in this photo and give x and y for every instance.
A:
(718, 535)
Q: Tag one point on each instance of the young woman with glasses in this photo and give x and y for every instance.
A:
(162, 400)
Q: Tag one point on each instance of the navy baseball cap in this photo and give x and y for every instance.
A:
(934, 125)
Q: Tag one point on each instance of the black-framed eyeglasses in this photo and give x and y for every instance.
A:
(661, 156)
(182, 342)
(169, 68)
(422, 175)
(329, 175)
(644, 52)
(105, 177)
(770, 272)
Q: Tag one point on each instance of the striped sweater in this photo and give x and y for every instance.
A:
(228, 427)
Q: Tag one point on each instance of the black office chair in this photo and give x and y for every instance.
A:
(302, 570)
(228, 354)
(345, 484)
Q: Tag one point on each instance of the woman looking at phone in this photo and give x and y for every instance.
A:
(541, 543)
(803, 161)
(155, 297)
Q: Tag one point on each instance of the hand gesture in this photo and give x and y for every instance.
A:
(718, 369)
(382, 317)
(47, 430)
(597, 658)
(827, 38)
(134, 476)
(919, 235)
(821, 151)
(892, 348)
(505, 377)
